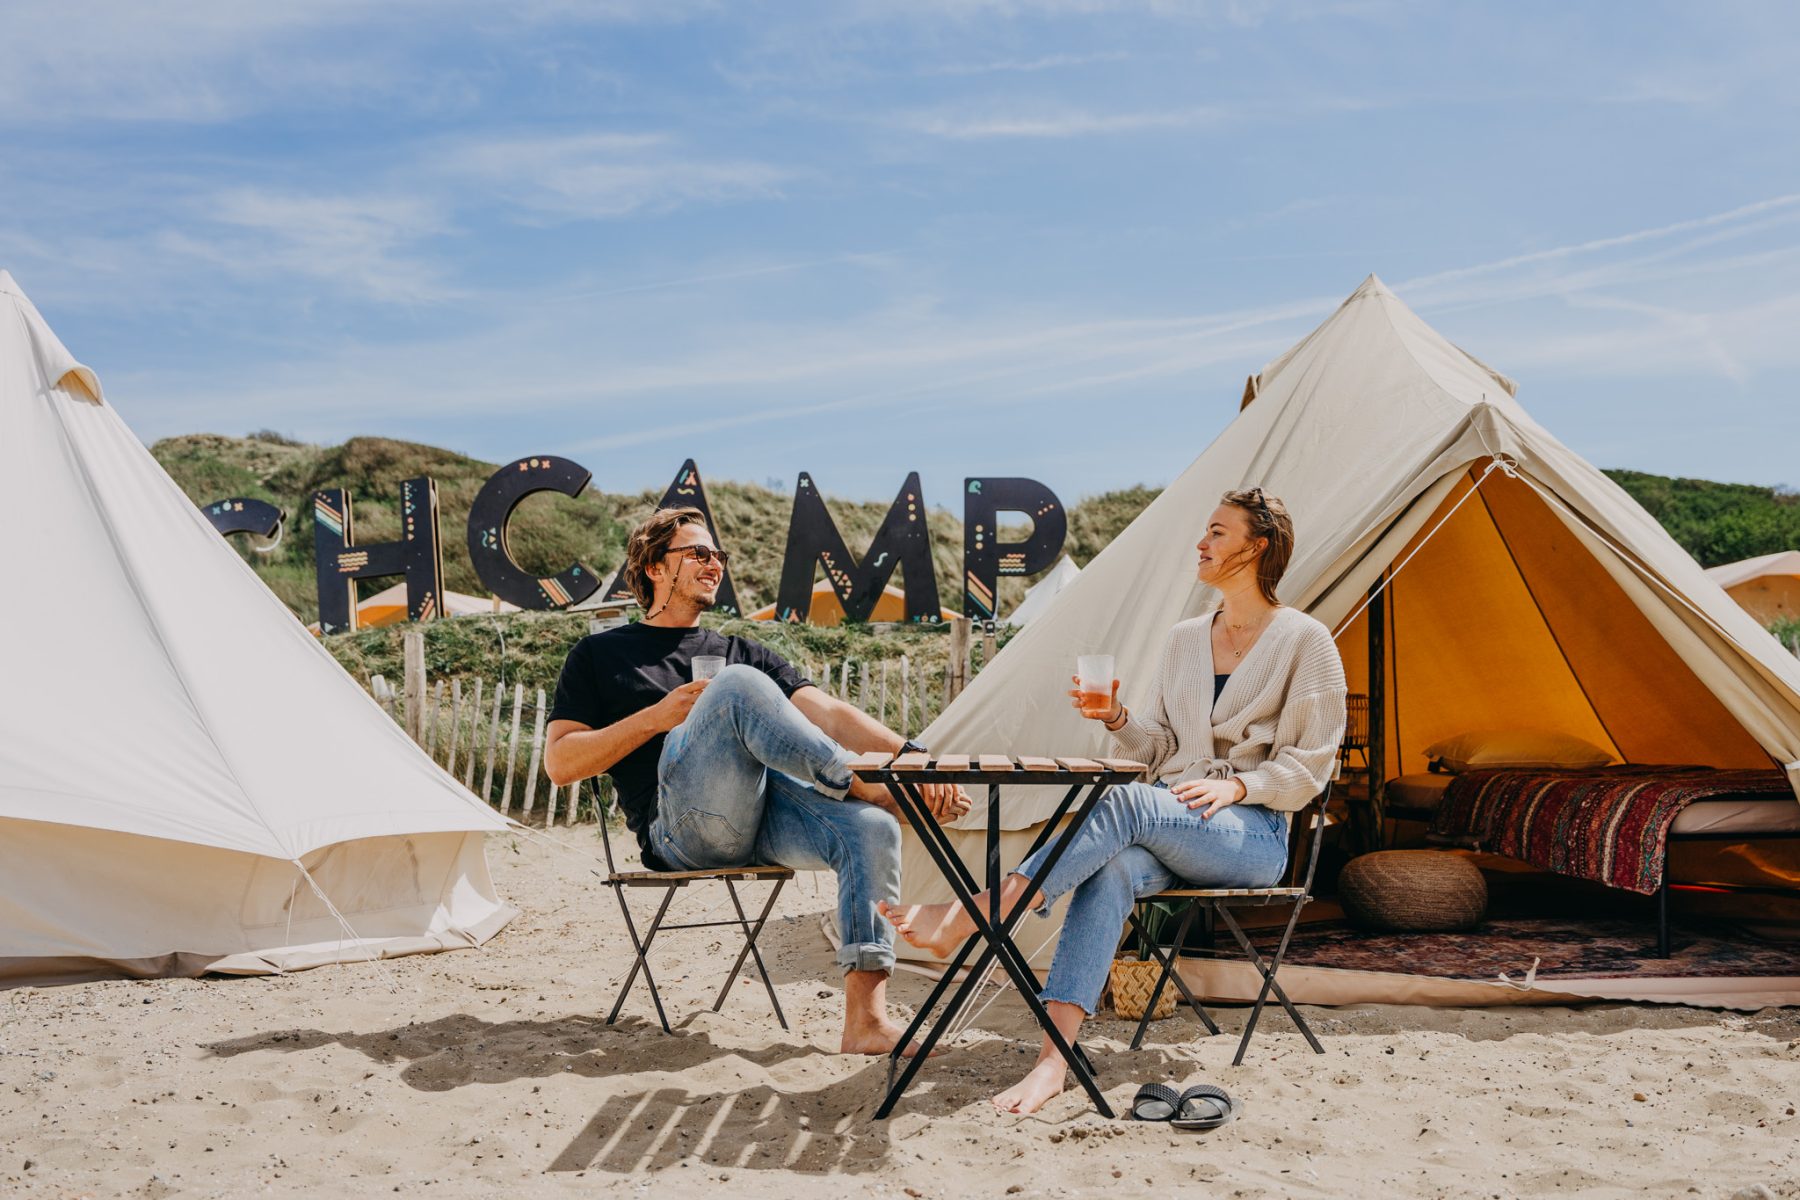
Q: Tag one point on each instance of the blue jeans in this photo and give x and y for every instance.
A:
(748, 779)
(1138, 841)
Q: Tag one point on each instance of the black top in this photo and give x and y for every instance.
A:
(609, 676)
(1219, 685)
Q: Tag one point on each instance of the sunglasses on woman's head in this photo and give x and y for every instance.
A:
(704, 554)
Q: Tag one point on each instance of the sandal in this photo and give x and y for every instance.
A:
(1203, 1106)
(1155, 1102)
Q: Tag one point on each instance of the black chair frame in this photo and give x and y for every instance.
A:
(672, 882)
(1221, 901)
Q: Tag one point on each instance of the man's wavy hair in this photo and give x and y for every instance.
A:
(648, 544)
(1268, 520)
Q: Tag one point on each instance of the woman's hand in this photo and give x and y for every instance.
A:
(1214, 794)
(1083, 702)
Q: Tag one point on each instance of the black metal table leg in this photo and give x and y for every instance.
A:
(996, 933)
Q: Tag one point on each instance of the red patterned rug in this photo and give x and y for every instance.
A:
(1567, 948)
(1609, 825)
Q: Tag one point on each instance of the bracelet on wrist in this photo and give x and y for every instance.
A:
(1124, 714)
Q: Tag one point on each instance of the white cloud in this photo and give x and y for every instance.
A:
(590, 176)
(1058, 123)
(360, 244)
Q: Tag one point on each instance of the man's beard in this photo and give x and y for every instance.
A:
(704, 601)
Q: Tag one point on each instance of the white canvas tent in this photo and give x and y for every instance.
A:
(159, 813)
(1540, 595)
(1767, 586)
(1038, 597)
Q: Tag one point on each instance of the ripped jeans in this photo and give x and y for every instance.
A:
(748, 779)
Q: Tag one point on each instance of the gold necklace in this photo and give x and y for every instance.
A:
(1235, 651)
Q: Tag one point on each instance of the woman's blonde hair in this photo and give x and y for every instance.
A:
(1269, 521)
(648, 544)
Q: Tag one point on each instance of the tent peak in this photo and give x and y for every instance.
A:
(1372, 286)
(53, 358)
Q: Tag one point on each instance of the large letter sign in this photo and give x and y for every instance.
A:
(686, 492)
(986, 557)
(339, 561)
(488, 549)
(241, 514)
(903, 538)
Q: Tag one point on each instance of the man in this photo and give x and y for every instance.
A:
(751, 766)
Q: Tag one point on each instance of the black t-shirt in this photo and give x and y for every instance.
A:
(609, 676)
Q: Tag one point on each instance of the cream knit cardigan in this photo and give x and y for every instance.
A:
(1276, 726)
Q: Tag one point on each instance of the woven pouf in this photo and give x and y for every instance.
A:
(1421, 891)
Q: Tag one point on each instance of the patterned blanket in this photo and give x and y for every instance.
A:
(1609, 825)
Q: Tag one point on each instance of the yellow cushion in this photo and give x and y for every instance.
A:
(1515, 748)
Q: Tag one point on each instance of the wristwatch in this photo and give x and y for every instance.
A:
(911, 747)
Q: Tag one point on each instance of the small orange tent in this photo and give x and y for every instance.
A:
(828, 610)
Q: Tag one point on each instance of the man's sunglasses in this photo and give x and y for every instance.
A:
(704, 554)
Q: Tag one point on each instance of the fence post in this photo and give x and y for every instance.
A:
(437, 718)
(990, 645)
(474, 737)
(455, 725)
(882, 716)
(905, 695)
(487, 777)
(537, 754)
(412, 644)
(960, 649)
(863, 698)
(512, 750)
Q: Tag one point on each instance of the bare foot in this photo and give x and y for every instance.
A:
(1043, 1084)
(938, 928)
(876, 1039)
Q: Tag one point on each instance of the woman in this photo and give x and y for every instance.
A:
(1240, 729)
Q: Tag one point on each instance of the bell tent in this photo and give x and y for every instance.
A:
(1037, 600)
(188, 781)
(1518, 585)
(1767, 586)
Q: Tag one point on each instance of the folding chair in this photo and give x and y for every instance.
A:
(1221, 901)
(671, 882)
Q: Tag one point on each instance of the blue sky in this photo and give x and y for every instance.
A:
(865, 237)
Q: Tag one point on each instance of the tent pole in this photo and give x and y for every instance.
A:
(1374, 836)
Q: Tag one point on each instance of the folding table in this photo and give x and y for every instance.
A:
(905, 775)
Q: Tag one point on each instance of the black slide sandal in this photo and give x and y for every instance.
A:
(1155, 1102)
(1203, 1106)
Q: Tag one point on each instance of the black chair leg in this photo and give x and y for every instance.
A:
(1161, 977)
(1163, 958)
(751, 933)
(1268, 971)
(642, 946)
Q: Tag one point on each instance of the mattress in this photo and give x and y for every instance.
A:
(1748, 817)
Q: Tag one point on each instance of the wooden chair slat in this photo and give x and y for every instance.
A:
(871, 760)
(1031, 763)
(714, 873)
(995, 762)
(1079, 764)
(911, 762)
(953, 762)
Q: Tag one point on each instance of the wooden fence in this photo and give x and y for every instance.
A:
(489, 734)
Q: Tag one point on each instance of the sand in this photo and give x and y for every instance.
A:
(491, 1073)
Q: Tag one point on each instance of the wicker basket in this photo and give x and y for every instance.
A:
(1413, 890)
(1132, 981)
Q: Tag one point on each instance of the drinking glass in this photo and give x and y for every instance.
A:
(706, 666)
(1095, 675)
